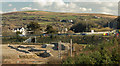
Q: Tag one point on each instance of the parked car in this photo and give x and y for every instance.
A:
(83, 34)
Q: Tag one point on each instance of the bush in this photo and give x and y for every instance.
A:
(85, 59)
(97, 56)
(104, 53)
(69, 60)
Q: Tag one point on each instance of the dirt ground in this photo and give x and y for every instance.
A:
(12, 56)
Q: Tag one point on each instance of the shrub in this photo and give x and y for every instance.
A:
(104, 53)
(69, 60)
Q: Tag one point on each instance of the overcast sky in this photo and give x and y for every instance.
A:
(74, 6)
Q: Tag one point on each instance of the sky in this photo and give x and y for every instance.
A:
(73, 6)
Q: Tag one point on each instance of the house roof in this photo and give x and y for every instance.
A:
(17, 28)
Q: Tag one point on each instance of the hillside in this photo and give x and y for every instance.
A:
(22, 18)
(42, 16)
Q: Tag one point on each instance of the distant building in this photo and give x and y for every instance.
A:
(21, 29)
(71, 21)
(92, 31)
(64, 30)
(96, 17)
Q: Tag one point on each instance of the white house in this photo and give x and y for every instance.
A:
(18, 29)
(22, 30)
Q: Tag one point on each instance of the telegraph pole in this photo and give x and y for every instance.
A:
(59, 49)
(86, 25)
(71, 47)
